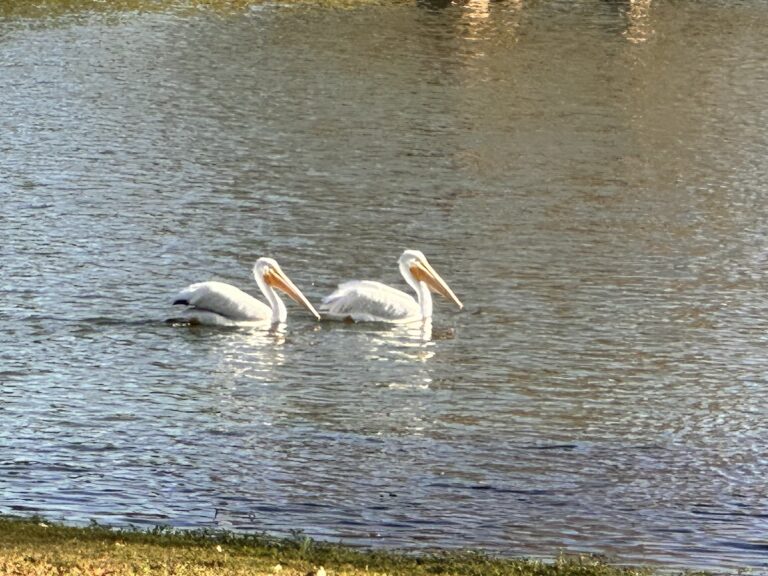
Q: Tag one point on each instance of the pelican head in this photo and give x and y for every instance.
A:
(269, 275)
(414, 266)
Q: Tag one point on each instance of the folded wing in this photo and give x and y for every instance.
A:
(368, 301)
(223, 300)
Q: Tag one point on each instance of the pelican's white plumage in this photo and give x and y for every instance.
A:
(222, 304)
(368, 301)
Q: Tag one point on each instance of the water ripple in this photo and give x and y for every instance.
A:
(588, 177)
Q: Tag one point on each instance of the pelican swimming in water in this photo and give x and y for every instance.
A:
(368, 301)
(222, 304)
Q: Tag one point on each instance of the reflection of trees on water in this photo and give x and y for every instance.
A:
(634, 18)
(638, 26)
(434, 4)
(635, 13)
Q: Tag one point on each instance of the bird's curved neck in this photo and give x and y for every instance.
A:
(279, 313)
(425, 300)
(423, 295)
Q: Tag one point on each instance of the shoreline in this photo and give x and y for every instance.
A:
(34, 545)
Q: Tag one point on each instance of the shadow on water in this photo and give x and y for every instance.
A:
(434, 5)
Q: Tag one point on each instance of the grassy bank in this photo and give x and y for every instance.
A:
(38, 547)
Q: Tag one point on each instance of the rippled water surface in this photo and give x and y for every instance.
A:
(589, 177)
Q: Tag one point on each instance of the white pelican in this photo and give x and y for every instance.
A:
(222, 304)
(367, 301)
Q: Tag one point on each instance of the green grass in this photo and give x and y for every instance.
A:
(37, 547)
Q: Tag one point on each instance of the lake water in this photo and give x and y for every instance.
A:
(589, 177)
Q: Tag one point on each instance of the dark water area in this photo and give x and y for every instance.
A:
(589, 177)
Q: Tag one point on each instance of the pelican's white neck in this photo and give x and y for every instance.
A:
(425, 300)
(423, 295)
(279, 312)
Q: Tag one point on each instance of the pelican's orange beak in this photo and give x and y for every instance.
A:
(277, 279)
(423, 272)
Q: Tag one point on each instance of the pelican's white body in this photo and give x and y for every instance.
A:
(369, 301)
(221, 304)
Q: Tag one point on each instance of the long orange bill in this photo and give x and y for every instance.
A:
(423, 272)
(279, 280)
